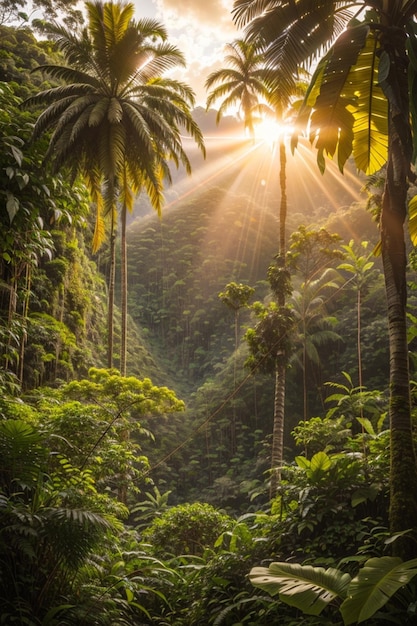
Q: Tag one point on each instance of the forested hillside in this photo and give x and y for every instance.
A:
(142, 354)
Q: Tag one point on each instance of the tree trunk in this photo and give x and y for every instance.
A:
(112, 279)
(278, 428)
(277, 453)
(25, 314)
(403, 474)
(123, 280)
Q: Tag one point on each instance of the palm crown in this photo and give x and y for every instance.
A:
(115, 115)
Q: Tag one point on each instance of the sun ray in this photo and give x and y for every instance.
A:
(249, 171)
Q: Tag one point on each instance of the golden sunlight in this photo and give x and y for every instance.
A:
(270, 131)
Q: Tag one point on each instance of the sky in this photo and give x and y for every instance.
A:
(200, 29)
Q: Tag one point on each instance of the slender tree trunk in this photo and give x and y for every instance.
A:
(123, 280)
(10, 319)
(403, 474)
(278, 429)
(277, 453)
(304, 371)
(283, 206)
(25, 313)
(358, 305)
(234, 425)
(112, 280)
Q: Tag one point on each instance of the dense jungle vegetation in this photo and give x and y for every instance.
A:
(135, 448)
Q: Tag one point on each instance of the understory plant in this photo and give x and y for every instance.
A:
(370, 595)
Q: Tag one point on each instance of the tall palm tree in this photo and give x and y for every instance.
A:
(241, 82)
(361, 102)
(281, 94)
(116, 118)
(263, 93)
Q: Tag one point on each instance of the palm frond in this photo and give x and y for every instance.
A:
(283, 27)
(244, 11)
(74, 78)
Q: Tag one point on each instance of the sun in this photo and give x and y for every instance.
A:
(270, 131)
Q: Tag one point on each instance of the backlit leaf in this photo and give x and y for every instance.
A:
(374, 585)
(308, 588)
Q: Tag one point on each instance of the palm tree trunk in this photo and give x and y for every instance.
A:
(403, 474)
(123, 280)
(278, 428)
(283, 206)
(277, 453)
(112, 280)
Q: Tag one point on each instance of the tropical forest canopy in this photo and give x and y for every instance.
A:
(198, 395)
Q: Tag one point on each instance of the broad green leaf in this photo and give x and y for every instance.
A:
(320, 462)
(302, 462)
(366, 425)
(370, 130)
(332, 121)
(374, 585)
(308, 588)
(332, 130)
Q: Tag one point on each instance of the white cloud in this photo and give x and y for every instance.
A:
(200, 29)
(203, 14)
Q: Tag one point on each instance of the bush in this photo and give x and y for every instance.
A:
(187, 529)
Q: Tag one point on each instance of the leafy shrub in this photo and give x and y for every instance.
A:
(187, 529)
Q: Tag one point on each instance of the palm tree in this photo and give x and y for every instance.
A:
(263, 94)
(280, 95)
(241, 83)
(116, 118)
(363, 98)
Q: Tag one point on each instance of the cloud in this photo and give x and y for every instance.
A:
(200, 29)
(204, 14)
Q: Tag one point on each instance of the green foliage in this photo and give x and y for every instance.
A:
(312, 250)
(92, 420)
(14, 10)
(147, 509)
(312, 589)
(236, 296)
(20, 53)
(50, 526)
(356, 403)
(187, 529)
(321, 434)
(270, 339)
